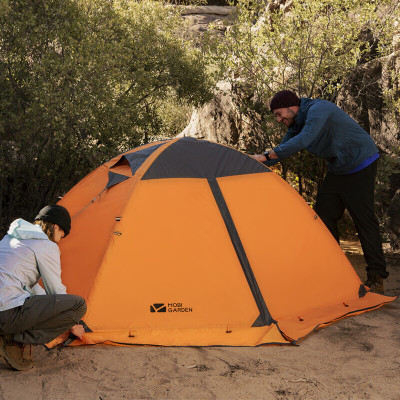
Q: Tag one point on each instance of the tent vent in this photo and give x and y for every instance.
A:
(118, 218)
(300, 319)
(137, 158)
(117, 233)
(114, 179)
(346, 305)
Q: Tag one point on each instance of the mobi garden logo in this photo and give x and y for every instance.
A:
(169, 307)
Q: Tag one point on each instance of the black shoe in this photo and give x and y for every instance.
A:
(375, 283)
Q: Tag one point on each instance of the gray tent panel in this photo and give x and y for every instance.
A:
(114, 179)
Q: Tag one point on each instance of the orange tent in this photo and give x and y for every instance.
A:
(186, 242)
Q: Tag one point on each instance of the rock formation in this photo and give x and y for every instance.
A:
(218, 120)
(199, 18)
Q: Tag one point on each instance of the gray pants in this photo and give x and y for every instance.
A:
(42, 318)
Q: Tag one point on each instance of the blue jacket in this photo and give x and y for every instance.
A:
(325, 130)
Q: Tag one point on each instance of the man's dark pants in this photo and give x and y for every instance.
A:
(42, 318)
(356, 193)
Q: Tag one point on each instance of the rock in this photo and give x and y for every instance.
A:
(208, 10)
(199, 18)
(216, 121)
(362, 97)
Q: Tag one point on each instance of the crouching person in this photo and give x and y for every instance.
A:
(30, 315)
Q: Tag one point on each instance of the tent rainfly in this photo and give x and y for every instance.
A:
(185, 242)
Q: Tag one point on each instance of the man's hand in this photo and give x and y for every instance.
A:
(272, 155)
(261, 157)
(78, 331)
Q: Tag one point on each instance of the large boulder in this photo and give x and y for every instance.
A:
(218, 120)
(199, 18)
(362, 97)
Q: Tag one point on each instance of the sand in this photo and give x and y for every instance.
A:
(355, 358)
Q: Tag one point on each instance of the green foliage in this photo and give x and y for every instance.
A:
(81, 80)
(307, 47)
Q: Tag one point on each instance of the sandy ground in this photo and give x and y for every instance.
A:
(356, 358)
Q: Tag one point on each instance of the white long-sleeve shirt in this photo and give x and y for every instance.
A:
(26, 255)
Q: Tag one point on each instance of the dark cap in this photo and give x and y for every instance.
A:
(57, 215)
(284, 99)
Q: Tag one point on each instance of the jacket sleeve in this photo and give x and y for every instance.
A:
(315, 120)
(271, 162)
(285, 139)
(48, 260)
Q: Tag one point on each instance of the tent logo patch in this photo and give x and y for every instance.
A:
(158, 307)
(169, 307)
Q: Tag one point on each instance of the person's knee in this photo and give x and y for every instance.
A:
(80, 306)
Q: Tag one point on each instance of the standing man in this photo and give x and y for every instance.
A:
(325, 130)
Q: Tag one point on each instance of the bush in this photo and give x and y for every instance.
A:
(82, 80)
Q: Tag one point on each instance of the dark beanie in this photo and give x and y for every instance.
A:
(57, 215)
(284, 99)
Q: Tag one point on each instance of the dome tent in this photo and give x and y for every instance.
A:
(186, 242)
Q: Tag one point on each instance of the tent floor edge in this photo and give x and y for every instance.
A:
(371, 301)
(187, 337)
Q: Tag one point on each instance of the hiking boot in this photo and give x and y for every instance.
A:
(13, 353)
(27, 352)
(375, 283)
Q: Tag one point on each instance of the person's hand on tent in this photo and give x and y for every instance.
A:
(259, 157)
(78, 330)
(267, 156)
